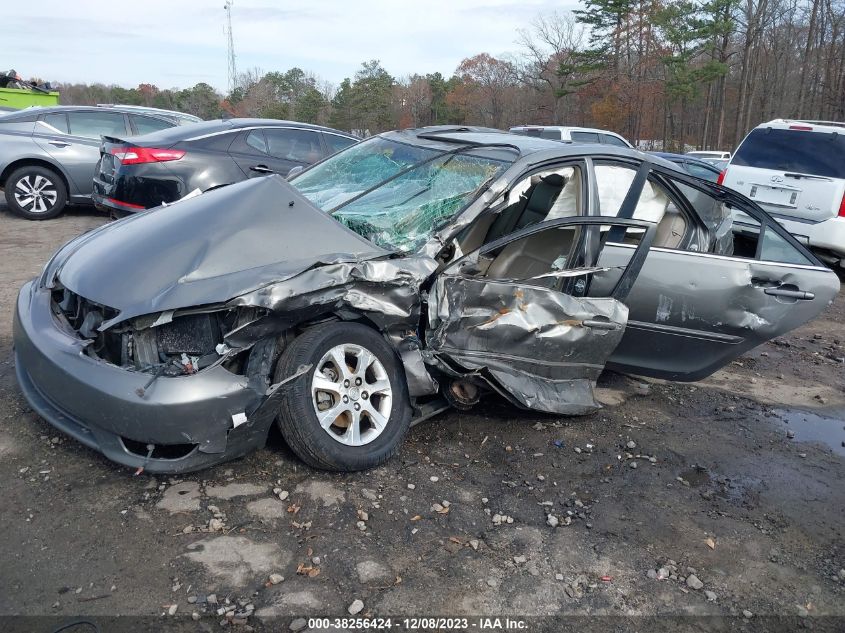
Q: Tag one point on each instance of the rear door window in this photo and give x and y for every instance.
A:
(699, 171)
(584, 137)
(612, 140)
(147, 124)
(251, 143)
(56, 120)
(798, 151)
(96, 124)
(301, 146)
(335, 142)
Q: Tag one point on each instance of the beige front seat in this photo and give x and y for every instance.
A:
(671, 228)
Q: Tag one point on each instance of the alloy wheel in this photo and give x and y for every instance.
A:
(351, 394)
(35, 193)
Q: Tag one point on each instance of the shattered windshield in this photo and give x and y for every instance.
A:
(410, 191)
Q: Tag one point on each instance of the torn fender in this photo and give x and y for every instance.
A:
(386, 291)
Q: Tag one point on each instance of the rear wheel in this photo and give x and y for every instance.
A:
(351, 412)
(36, 193)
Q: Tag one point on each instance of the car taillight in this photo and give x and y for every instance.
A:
(137, 155)
(804, 128)
(721, 179)
(842, 207)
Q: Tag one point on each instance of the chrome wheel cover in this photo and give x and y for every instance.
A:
(351, 394)
(36, 193)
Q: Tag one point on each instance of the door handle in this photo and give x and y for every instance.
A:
(801, 295)
(599, 325)
(59, 143)
(262, 169)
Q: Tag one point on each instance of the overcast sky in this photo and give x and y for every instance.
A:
(177, 43)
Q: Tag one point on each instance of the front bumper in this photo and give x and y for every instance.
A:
(98, 403)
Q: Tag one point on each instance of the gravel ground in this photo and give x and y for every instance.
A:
(674, 500)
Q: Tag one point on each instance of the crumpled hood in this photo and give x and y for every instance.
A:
(208, 249)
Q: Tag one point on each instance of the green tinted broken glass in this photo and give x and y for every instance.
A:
(404, 212)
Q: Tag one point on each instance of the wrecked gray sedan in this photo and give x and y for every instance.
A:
(414, 271)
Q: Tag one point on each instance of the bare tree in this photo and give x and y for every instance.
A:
(549, 43)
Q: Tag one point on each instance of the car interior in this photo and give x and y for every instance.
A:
(554, 194)
(543, 196)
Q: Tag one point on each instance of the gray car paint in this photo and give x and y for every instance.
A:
(73, 156)
(253, 245)
(253, 233)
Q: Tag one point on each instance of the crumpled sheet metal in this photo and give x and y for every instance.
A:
(490, 325)
(388, 288)
(386, 291)
(254, 234)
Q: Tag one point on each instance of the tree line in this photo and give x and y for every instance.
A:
(670, 74)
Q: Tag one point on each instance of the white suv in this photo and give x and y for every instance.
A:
(574, 134)
(795, 170)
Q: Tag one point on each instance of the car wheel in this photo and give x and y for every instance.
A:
(351, 410)
(36, 193)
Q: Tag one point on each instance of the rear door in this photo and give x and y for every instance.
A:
(793, 171)
(296, 147)
(73, 140)
(514, 313)
(704, 295)
(250, 151)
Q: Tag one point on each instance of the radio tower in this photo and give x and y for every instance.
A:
(231, 44)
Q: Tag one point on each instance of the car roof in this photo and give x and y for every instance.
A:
(577, 128)
(39, 110)
(534, 148)
(194, 131)
(817, 126)
(672, 156)
(176, 114)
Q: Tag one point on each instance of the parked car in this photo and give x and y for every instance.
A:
(412, 271)
(573, 134)
(718, 163)
(144, 172)
(795, 170)
(48, 155)
(709, 154)
(698, 168)
(180, 118)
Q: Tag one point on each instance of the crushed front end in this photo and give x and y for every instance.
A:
(168, 396)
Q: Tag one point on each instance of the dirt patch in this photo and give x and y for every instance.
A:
(181, 497)
(718, 487)
(236, 560)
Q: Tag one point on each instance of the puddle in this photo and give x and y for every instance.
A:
(696, 476)
(736, 488)
(812, 427)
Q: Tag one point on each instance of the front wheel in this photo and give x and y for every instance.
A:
(351, 411)
(36, 193)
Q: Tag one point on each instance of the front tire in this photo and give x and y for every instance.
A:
(351, 410)
(36, 193)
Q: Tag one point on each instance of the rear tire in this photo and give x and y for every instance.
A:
(35, 193)
(356, 386)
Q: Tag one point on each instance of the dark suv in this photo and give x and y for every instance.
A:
(165, 166)
(48, 155)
